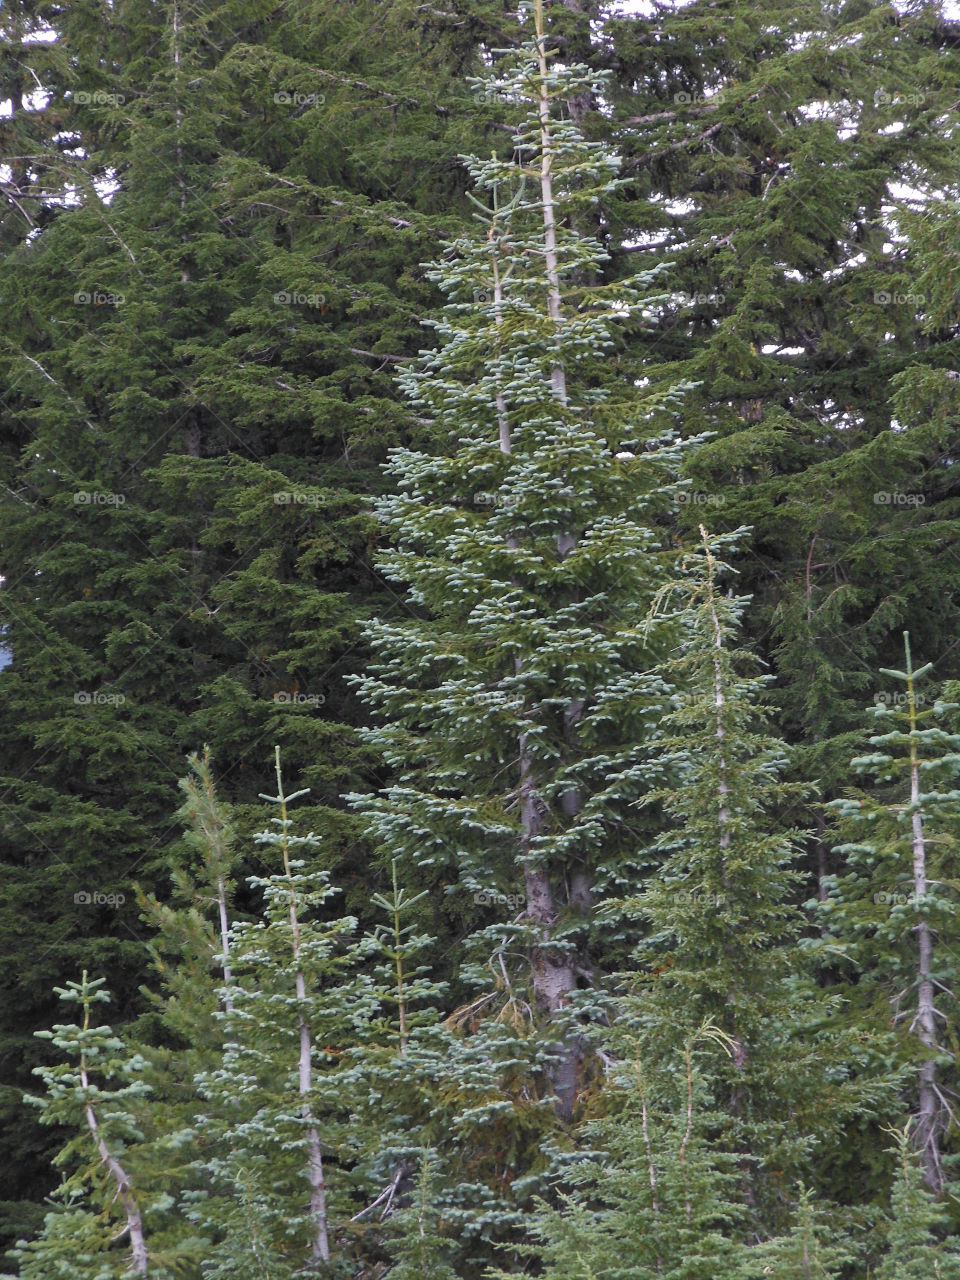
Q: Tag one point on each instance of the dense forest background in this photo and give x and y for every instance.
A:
(570, 618)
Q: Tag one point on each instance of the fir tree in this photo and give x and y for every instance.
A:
(518, 550)
(277, 1111)
(99, 1202)
(653, 1194)
(893, 911)
(914, 1249)
(519, 704)
(722, 932)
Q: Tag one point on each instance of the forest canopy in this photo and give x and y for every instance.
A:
(479, 649)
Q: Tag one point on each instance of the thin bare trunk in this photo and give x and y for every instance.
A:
(554, 307)
(225, 940)
(320, 1247)
(925, 1019)
(138, 1246)
(555, 972)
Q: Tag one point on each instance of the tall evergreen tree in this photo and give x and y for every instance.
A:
(722, 933)
(519, 706)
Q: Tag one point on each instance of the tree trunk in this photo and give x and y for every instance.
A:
(320, 1246)
(925, 1020)
(138, 1246)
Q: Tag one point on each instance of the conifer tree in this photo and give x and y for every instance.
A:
(652, 1194)
(915, 1250)
(519, 703)
(419, 1249)
(95, 1092)
(790, 161)
(277, 1110)
(517, 706)
(197, 350)
(893, 910)
(722, 932)
(812, 1250)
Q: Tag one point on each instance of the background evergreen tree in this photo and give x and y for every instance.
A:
(784, 158)
(187, 464)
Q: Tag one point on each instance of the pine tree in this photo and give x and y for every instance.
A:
(529, 582)
(893, 911)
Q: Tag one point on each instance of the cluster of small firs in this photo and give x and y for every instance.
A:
(603, 923)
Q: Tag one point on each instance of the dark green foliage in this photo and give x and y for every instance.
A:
(197, 356)
(214, 220)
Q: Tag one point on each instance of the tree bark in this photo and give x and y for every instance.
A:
(925, 1019)
(320, 1246)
